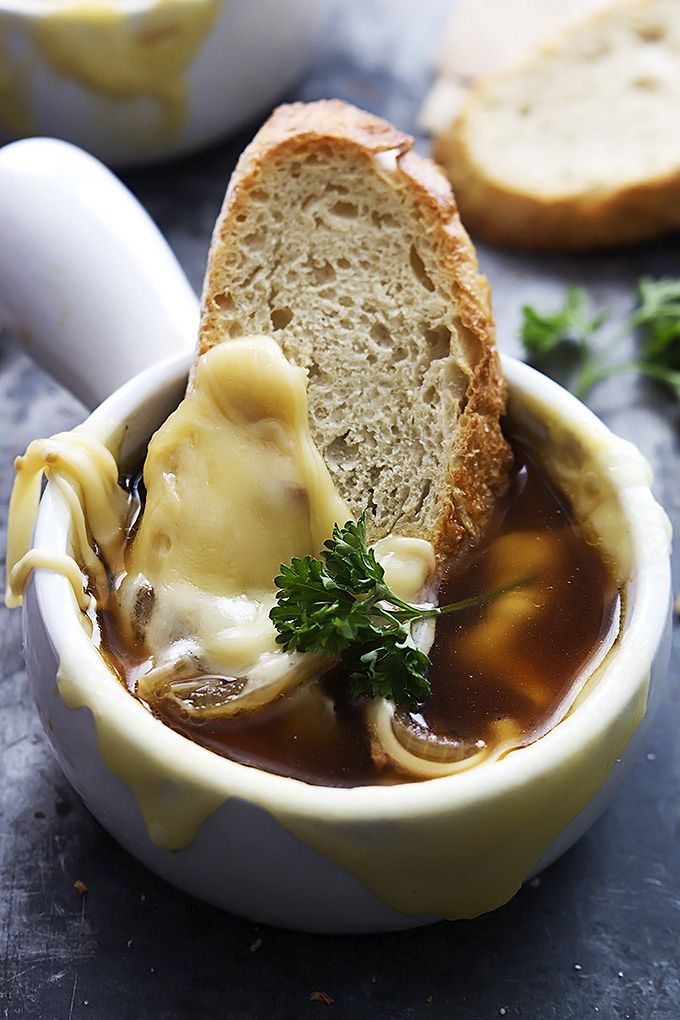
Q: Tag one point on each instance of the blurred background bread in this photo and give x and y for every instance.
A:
(487, 36)
(578, 145)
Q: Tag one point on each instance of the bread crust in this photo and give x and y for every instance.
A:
(293, 129)
(510, 218)
(504, 215)
(481, 456)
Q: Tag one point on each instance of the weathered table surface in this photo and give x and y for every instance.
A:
(597, 934)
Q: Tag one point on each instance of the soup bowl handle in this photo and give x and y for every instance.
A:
(93, 287)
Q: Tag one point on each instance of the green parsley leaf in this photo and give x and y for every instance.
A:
(313, 613)
(387, 664)
(349, 560)
(339, 605)
(542, 333)
(656, 319)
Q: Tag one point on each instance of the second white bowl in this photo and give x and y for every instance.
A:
(138, 80)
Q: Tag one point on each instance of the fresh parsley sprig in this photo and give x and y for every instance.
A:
(542, 332)
(655, 319)
(340, 606)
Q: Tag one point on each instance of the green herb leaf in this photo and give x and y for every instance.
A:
(313, 614)
(387, 664)
(349, 560)
(656, 318)
(340, 606)
(542, 333)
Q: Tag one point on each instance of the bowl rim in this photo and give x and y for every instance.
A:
(649, 591)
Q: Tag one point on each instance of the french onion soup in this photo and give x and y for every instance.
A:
(503, 671)
(220, 600)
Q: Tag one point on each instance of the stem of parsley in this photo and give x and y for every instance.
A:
(594, 371)
(415, 613)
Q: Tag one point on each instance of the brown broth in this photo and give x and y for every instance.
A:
(528, 673)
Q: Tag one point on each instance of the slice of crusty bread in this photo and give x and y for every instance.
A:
(580, 146)
(483, 37)
(346, 247)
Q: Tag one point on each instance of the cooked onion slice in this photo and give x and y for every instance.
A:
(416, 751)
(204, 696)
(419, 754)
(211, 695)
(415, 738)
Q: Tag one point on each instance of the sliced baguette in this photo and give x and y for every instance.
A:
(346, 247)
(580, 146)
(484, 37)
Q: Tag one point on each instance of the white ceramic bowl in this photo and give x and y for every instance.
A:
(267, 847)
(280, 851)
(137, 80)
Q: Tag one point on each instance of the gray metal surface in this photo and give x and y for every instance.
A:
(597, 935)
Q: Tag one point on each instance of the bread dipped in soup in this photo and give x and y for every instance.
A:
(332, 563)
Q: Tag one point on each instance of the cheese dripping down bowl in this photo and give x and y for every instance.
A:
(271, 848)
(138, 80)
(367, 858)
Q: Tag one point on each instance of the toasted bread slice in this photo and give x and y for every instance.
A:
(579, 147)
(346, 247)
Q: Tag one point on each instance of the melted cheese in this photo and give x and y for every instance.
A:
(86, 473)
(235, 487)
(409, 565)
